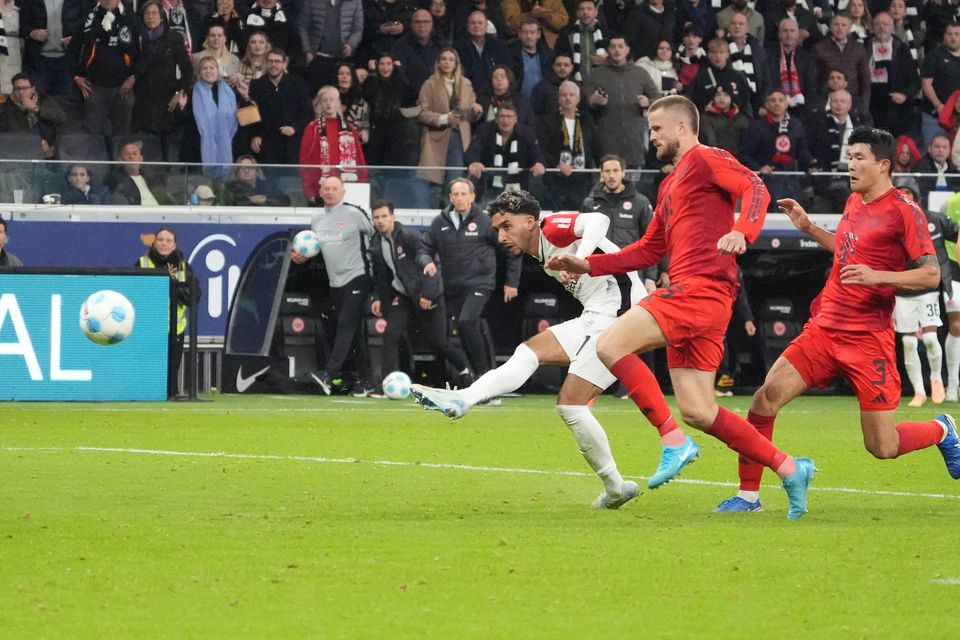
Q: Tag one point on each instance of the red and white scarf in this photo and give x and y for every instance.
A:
(790, 79)
(336, 143)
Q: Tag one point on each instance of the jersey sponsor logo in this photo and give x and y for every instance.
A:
(628, 216)
(471, 233)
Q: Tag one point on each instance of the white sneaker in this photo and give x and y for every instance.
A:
(953, 394)
(605, 501)
(447, 401)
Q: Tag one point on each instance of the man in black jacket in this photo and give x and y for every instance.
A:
(530, 57)
(466, 244)
(791, 69)
(45, 47)
(545, 96)
(894, 78)
(480, 53)
(510, 149)
(403, 292)
(285, 109)
(570, 143)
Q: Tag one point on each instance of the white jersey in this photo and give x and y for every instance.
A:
(580, 234)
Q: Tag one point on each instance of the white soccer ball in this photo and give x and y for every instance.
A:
(107, 317)
(396, 385)
(307, 243)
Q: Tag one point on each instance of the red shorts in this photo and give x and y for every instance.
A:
(867, 359)
(693, 315)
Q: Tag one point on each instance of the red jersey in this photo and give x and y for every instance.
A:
(884, 235)
(695, 208)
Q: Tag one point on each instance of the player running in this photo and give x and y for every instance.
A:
(850, 332)
(693, 225)
(515, 215)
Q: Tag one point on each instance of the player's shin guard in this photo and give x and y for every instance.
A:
(918, 435)
(508, 377)
(593, 443)
(643, 389)
(751, 471)
(931, 342)
(745, 439)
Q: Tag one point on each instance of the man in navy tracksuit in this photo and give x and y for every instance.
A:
(466, 244)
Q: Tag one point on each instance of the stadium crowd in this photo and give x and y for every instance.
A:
(521, 93)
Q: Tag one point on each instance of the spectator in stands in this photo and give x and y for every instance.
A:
(179, 21)
(545, 95)
(7, 259)
(285, 109)
(747, 56)
(160, 94)
(938, 15)
(840, 51)
(551, 15)
(460, 13)
(214, 108)
(650, 23)
(906, 157)
(940, 77)
(907, 28)
(505, 146)
(328, 31)
(215, 46)
(480, 54)
(720, 74)
(28, 111)
(830, 147)
(12, 63)
(394, 130)
(253, 65)
(448, 105)
(227, 17)
(403, 293)
(164, 254)
(697, 13)
(463, 241)
(791, 69)
(837, 81)
(355, 108)
(530, 57)
(755, 23)
(502, 87)
(330, 141)
(44, 48)
(808, 31)
(248, 188)
(584, 40)
(937, 161)
(384, 21)
(619, 93)
(345, 233)
(722, 124)
(417, 51)
(895, 79)
(861, 22)
(443, 27)
(662, 68)
(270, 18)
(128, 185)
(108, 57)
(776, 142)
(690, 56)
(76, 188)
(570, 143)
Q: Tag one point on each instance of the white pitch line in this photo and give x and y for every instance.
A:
(446, 465)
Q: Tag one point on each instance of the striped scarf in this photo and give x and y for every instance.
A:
(572, 151)
(3, 40)
(581, 58)
(506, 156)
(742, 60)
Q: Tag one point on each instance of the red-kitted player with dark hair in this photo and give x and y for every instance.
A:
(694, 225)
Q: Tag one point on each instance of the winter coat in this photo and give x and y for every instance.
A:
(310, 24)
(405, 243)
(434, 105)
(630, 214)
(166, 70)
(621, 120)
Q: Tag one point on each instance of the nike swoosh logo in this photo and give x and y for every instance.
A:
(244, 383)
(444, 228)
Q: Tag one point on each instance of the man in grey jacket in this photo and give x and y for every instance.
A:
(329, 29)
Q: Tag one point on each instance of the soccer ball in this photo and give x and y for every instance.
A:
(106, 317)
(307, 243)
(396, 385)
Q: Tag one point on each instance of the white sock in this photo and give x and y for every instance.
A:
(508, 377)
(953, 361)
(911, 360)
(934, 355)
(749, 496)
(594, 445)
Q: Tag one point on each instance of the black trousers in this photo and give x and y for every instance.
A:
(399, 311)
(349, 303)
(467, 309)
(174, 358)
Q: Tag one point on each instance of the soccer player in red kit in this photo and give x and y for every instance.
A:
(694, 225)
(850, 331)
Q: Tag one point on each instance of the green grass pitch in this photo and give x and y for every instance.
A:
(305, 517)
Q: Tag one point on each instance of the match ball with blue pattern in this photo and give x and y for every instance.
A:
(396, 385)
(307, 243)
(107, 317)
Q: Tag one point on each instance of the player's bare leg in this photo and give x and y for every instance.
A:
(885, 439)
(573, 406)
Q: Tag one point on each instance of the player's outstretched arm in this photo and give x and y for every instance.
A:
(802, 221)
(924, 277)
(567, 262)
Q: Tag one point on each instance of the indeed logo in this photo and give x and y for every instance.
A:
(23, 347)
(219, 278)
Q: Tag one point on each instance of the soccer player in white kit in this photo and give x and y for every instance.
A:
(572, 343)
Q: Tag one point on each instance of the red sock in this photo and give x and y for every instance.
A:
(642, 387)
(743, 437)
(751, 471)
(918, 435)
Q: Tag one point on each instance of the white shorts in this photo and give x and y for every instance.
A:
(915, 312)
(578, 338)
(952, 304)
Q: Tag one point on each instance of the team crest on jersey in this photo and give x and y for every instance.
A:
(931, 227)
(125, 35)
(848, 246)
(472, 226)
(627, 206)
